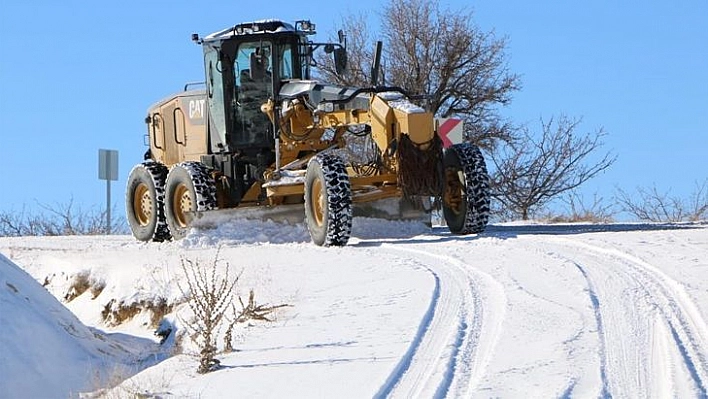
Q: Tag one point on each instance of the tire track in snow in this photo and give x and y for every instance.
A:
(600, 331)
(405, 361)
(664, 299)
(450, 357)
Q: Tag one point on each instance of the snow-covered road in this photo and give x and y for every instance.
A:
(520, 311)
(599, 318)
(456, 336)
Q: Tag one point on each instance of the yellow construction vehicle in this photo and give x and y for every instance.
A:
(262, 136)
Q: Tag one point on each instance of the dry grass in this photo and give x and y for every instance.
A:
(115, 314)
(80, 283)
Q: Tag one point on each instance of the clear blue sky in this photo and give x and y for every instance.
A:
(76, 76)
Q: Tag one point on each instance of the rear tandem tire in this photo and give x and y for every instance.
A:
(328, 201)
(466, 194)
(144, 202)
(189, 189)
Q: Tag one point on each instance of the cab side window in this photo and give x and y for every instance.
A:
(215, 93)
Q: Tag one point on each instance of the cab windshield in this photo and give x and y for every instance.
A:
(253, 77)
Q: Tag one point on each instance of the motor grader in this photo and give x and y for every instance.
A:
(262, 137)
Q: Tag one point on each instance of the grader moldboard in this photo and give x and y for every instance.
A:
(264, 139)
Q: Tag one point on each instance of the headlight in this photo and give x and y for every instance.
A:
(325, 107)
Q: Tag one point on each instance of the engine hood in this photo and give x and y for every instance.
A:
(318, 92)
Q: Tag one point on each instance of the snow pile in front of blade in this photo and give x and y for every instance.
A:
(249, 231)
(246, 231)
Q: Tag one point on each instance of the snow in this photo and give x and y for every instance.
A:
(287, 177)
(398, 101)
(42, 341)
(249, 30)
(523, 310)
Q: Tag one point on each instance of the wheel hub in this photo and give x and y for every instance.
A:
(183, 205)
(454, 190)
(142, 205)
(319, 202)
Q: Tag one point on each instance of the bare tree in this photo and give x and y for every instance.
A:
(13, 224)
(360, 54)
(533, 170)
(442, 54)
(439, 53)
(652, 205)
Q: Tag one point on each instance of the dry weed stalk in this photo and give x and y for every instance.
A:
(252, 311)
(209, 296)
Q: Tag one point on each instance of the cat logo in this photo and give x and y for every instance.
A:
(196, 109)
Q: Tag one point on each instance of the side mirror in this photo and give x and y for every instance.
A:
(341, 35)
(340, 60)
(340, 54)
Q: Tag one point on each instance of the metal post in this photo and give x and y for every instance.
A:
(108, 170)
(108, 207)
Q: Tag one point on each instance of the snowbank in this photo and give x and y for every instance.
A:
(45, 351)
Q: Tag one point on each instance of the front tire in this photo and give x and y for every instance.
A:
(189, 189)
(466, 194)
(144, 202)
(328, 201)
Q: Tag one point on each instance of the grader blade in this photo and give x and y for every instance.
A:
(292, 214)
(388, 209)
(396, 209)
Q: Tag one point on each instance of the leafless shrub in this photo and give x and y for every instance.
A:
(579, 210)
(536, 169)
(209, 295)
(652, 205)
(58, 219)
(13, 224)
(252, 311)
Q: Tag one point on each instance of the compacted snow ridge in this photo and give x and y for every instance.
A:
(521, 310)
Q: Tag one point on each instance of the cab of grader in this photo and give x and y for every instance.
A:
(262, 137)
